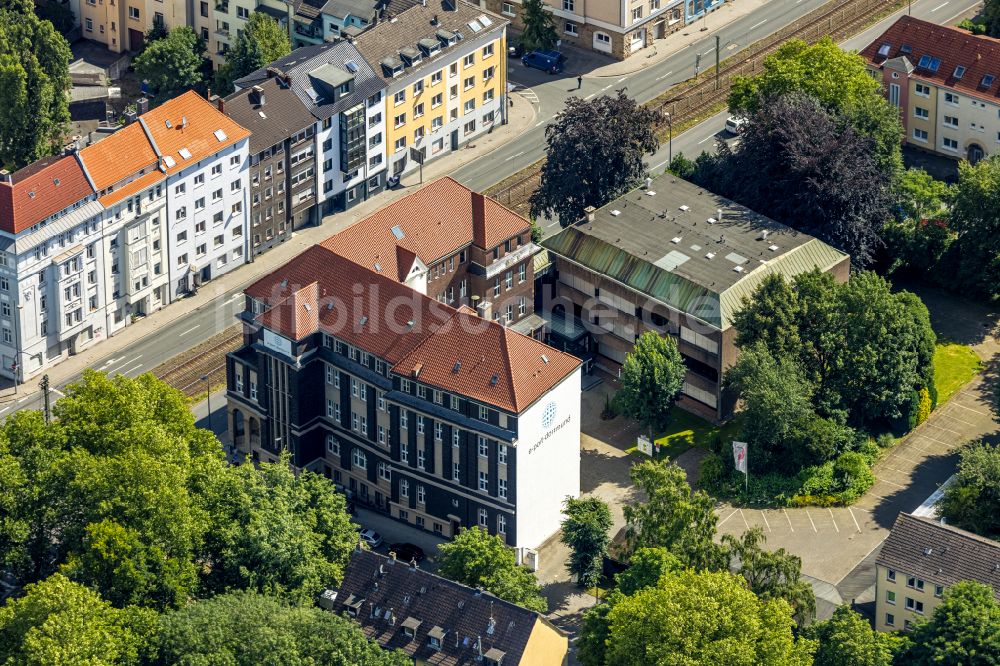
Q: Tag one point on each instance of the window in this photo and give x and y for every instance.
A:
(637, 13)
(418, 88)
(502, 454)
(484, 413)
(404, 419)
(420, 424)
(890, 596)
(421, 458)
(404, 488)
(501, 524)
(418, 110)
(354, 421)
(570, 29)
(484, 481)
(470, 127)
(921, 112)
(950, 121)
(399, 97)
(404, 454)
(487, 51)
(507, 9)
(488, 73)
(216, 169)
(470, 106)
(890, 575)
(484, 447)
(484, 518)
(400, 143)
(455, 471)
(381, 435)
(469, 82)
(894, 94)
(438, 429)
(914, 605)
(381, 402)
(421, 494)
(920, 135)
(332, 445)
(359, 460)
(890, 619)
(922, 89)
(502, 488)
(949, 144)
(399, 120)
(951, 98)
(437, 100)
(603, 38)
(938, 590)
(133, 13)
(436, 77)
(469, 60)
(89, 23)
(243, 13)
(915, 583)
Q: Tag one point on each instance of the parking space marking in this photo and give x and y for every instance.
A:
(977, 411)
(722, 522)
(833, 519)
(743, 516)
(935, 424)
(949, 416)
(788, 519)
(811, 521)
(765, 521)
(892, 484)
(855, 519)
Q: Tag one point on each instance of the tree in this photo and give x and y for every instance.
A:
(835, 188)
(770, 574)
(594, 153)
(963, 631)
(921, 196)
(157, 31)
(262, 41)
(539, 28)
(991, 14)
(651, 380)
(58, 621)
(246, 629)
(839, 81)
(972, 261)
(645, 569)
(479, 559)
(673, 516)
(847, 639)
(60, 15)
(585, 531)
(972, 500)
(595, 630)
(699, 619)
(34, 85)
(172, 65)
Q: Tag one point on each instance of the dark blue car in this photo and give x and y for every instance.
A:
(546, 61)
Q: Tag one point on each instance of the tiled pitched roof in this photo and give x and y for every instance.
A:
(40, 190)
(124, 153)
(386, 39)
(206, 132)
(284, 114)
(436, 221)
(137, 185)
(467, 622)
(977, 54)
(940, 554)
(378, 314)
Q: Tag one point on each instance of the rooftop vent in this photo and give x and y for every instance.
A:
(545, 359)
(711, 220)
(307, 306)
(363, 320)
(738, 269)
(928, 550)
(493, 380)
(457, 366)
(675, 240)
(184, 121)
(616, 212)
(168, 123)
(710, 255)
(378, 267)
(685, 208)
(772, 248)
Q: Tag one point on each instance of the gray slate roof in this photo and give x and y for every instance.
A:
(404, 30)
(284, 114)
(342, 8)
(415, 598)
(671, 243)
(302, 61)
(940, 554)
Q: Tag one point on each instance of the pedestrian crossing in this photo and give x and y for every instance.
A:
(528, 94)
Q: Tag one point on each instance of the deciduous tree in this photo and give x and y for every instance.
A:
(585, 531)
(262, 41)
(646, 567)
(480, 559)
(847, 639)
(973, 259)
(972, 500)
(172, 65)
(594, 153)
(651, 380)
(672, 516)
(963, 631)
(247, 629)
(770, 574)
(34, 85)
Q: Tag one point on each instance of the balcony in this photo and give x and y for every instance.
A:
(510, 259)
(222, 7)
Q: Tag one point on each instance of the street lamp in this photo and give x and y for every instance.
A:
(208, 396)
(670, 141)
(16, 366)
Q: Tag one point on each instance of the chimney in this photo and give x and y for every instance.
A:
(184, 122)
(479, 220)
(142, 105)
(6, 177)
(273, 72)
(434, 20)
(649, 183)
(258, 95)
(718, 214)
(222, 105)
(589, 211)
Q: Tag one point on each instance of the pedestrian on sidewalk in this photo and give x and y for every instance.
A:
(579, 82)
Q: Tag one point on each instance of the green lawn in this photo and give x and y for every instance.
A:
(687, 430)
(954, 365)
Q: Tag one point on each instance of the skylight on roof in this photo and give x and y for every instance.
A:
(929, 62)
(185, 153)
(959, 72)
(169, 161)
(884, 50)
(220, 135)
(987, 81)
(935, 64)
(475, 25)
(398, 232)
(485, 20)
(906, 49)
(351, 66)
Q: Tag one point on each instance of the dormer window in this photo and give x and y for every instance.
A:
(410, 626)
(391, 66)
(429, 47)
(446, 37)
(435, 637)
(410, 56)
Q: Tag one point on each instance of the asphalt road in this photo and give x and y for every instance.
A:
(551, 93)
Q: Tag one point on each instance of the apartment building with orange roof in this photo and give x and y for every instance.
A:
(430, 414)
(94, 238)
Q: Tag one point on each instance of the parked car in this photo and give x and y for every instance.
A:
(406, 552)
(539, 60)
(735, 125)
(516, 50)
(551, 53)
(370, 537)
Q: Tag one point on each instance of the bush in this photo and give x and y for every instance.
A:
(923, 406)
(973, 27)
(713, 470)
(852, 476)
(885, 440)
(870, 450)
(913, 407)
(817, 480)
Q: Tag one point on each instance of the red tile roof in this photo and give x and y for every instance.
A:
(40, 190)
(137, 185)
(124, 153)
(979, 55)
(198, 135)
(436, 221)
(451, 349)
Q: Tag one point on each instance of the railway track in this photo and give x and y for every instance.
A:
(208, 359)
(685, 101)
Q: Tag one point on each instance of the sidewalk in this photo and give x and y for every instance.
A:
(603, 66)
(521, 116)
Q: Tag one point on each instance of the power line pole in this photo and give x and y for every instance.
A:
(716, 62)
(44, 385)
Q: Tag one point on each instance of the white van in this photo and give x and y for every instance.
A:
(735, 125)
